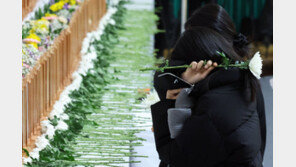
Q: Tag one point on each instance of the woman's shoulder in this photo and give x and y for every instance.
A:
(227, 108)
(234, 118)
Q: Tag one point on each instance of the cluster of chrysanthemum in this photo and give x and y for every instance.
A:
(39, 32)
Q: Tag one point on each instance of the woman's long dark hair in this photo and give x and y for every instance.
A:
(215, 17)
(200, 43)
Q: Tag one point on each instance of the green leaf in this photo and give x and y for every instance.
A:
(26, 151)
(221, 54)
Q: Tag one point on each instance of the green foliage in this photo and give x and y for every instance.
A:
(95, 122)
(26, 151)
(25, 32)
(39, 14)
(225, 60)
(60, 151)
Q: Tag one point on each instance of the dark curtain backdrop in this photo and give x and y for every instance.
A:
(251, 17)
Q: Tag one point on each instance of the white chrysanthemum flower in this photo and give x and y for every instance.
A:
(53, 113)
(62, 125)
(75, 75)
(41, 142)
(255, 65)
(50, 131)
(47, 129)
(44, 125)
(151, 98)
(59, 106)
(34, 154)
(112, 22)
(27, 160)
(64, 116)
(92, 49)
(65, 99)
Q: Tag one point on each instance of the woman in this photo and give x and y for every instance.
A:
(224, 129)
(215, 18)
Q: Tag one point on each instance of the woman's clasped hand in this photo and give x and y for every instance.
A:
(193, 74)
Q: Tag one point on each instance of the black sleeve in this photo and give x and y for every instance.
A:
(198, 132)
(262, 119)
(160, 121)
(165, 146)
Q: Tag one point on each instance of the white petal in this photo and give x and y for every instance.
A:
(27, 160)
(151, 98)
(64, 117)
(255, 65)
(62, 125)
(41, 142)
(34, 155)
(50, 131)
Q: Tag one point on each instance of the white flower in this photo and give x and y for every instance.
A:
(151, 98)
(44, 125)
(62, 125)
(35, 154)
(53, 113)
(62, 19)
(64, 116)
(50, 131)
(27, 160)
(112, 22)
(255, 65)
(41, 142)
(47, 129)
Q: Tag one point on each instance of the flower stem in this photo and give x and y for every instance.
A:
(183, 66)
(164, 68)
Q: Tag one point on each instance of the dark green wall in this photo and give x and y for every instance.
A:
(238, 9)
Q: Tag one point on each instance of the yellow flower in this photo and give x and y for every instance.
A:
(33, 39)
(40, 26)
(34, 36)
(72, 2)
(57, 6)
(50, 15)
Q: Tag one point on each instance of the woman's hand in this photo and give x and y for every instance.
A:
(197, 71)
(173, 93)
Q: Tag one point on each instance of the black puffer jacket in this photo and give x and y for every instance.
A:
(225, 130)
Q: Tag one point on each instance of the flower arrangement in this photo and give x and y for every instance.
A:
(254, 65)
(68, 117)
(39, 32)
(30, 55)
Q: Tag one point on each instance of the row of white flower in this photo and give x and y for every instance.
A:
(86, 63)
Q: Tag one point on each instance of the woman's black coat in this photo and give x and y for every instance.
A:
(225, 128)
